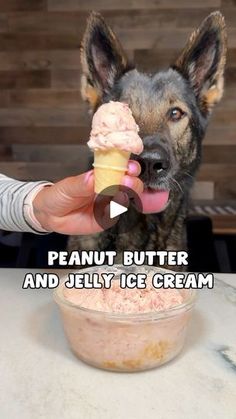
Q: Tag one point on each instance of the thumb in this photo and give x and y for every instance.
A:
(77, 186)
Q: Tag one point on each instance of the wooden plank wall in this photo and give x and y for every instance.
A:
(42, 117)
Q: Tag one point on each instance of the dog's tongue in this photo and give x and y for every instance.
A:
(154, 201)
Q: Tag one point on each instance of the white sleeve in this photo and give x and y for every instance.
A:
(16, 211)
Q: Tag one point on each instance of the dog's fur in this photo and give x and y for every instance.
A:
(172, 109)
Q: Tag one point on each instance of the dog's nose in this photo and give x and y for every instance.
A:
(154, 162)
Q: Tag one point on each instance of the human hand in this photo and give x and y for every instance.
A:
(67, 206)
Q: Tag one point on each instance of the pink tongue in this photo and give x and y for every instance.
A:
(154, 201)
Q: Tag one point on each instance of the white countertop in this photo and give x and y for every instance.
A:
(41, 378)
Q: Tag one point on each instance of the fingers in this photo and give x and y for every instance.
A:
(78, 191)
(83, 185)
(121, 198)
(133, 183)
(134, 168)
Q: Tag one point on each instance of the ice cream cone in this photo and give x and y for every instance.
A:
(109, 168)
(114, 136)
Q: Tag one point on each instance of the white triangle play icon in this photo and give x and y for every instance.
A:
(116, 209)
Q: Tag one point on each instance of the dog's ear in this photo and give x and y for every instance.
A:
(103, 60)
(202, 61)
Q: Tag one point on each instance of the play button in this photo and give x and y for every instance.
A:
(116, 209)
(124, 208)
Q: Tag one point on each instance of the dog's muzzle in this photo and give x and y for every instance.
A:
(155, 160)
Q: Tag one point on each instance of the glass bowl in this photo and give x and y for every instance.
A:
(125, 342)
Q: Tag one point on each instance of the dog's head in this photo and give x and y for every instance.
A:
(171, 107)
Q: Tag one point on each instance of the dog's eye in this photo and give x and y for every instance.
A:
(175, 114)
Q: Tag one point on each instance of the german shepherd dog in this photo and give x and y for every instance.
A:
(172, 109)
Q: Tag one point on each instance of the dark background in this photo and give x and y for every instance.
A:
(43, 121)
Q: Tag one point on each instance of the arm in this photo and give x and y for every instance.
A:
(16, 211)
(65, 207)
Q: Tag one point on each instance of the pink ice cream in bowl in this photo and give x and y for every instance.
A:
(125, 329)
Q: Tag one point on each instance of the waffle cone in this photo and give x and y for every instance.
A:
(109, 168)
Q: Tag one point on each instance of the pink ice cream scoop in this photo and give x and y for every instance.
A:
(118, 300)
(113, 126)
